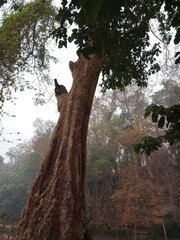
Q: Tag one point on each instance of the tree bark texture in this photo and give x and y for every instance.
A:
(55, 207)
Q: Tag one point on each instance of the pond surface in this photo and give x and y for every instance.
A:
(116, 237)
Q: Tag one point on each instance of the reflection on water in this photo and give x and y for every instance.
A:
(116, 237)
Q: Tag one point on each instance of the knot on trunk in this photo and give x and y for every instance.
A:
(61, 95)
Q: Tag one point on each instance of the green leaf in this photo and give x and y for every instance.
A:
(2, 2)
(137, 147)
(91, 8)
(154, 117)
(161, 122)
(177, 37)
(157, 110)
(148, 110)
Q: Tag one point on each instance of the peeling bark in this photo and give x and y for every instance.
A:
(55, 206)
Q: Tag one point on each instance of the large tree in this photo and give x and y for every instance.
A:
(113, 37)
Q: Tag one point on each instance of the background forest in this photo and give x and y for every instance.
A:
(124, 191)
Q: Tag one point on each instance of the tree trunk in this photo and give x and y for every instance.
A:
(55, 207)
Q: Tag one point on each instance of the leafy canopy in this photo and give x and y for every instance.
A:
(118, 31)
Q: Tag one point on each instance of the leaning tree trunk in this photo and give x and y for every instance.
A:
(55, 207)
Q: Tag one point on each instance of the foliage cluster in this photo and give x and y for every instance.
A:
(2, 2)
(169, 116)
(24, 36)
(118, 30)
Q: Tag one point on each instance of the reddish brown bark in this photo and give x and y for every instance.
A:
(55, 207)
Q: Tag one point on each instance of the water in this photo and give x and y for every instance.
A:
(116, 237)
